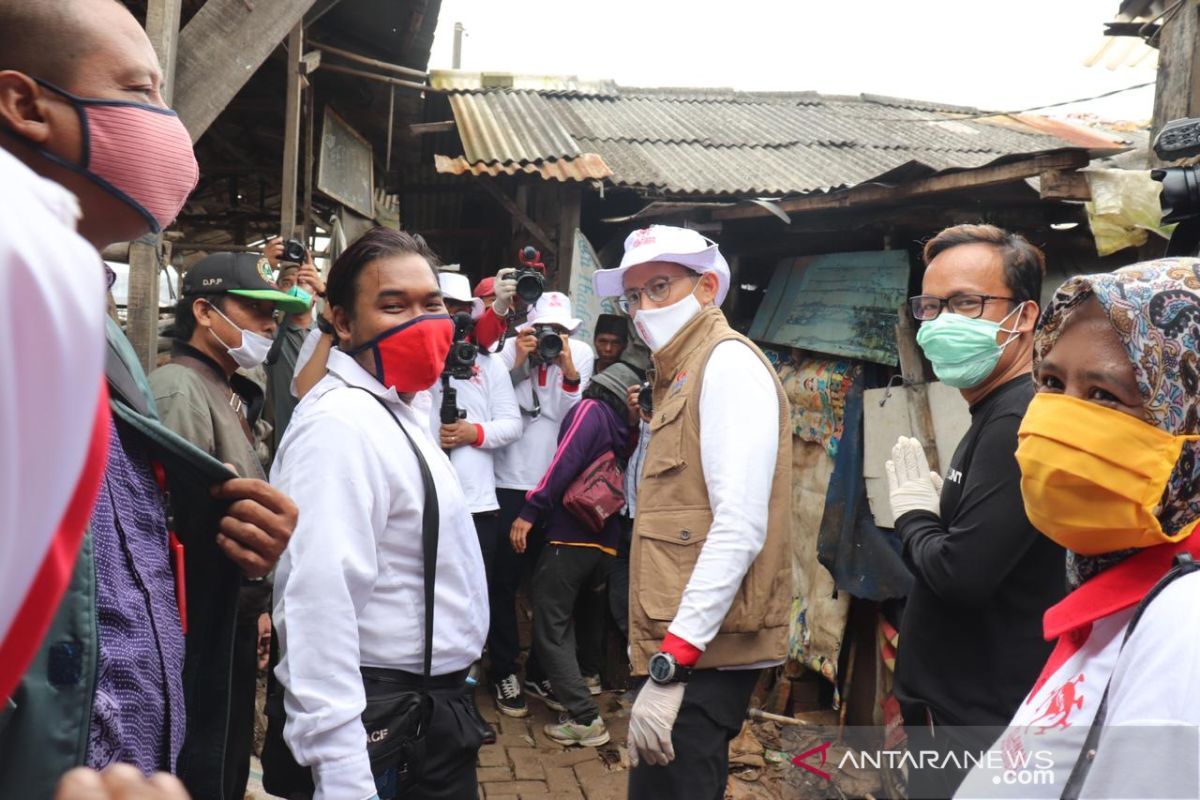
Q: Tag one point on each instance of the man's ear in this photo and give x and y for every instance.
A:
(22, 107)
(341, 323)
(202, 311)
(707, 289)
(1029, 316)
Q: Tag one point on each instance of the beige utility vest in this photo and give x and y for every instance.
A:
(674, 515)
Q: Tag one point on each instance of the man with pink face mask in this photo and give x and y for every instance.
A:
(709, 571)
(106, 675)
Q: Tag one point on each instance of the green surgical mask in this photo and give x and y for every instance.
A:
(964, 351)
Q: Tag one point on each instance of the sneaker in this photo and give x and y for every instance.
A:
(509, 700)
(570, 733)
(542, 690)
(592, 682)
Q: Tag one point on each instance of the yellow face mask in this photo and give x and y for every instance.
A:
(1092, 478)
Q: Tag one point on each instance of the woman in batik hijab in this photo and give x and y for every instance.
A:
(1108, 455)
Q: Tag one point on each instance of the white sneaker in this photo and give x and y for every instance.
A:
(572, 734)
(592, 682)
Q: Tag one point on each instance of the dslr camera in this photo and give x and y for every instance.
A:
(549, 344)
(1180, 198)
(294, 252)
(460, 364)
(531, 277)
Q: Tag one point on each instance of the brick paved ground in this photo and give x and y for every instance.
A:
(525, 764)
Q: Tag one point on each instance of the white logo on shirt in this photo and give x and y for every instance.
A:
(955, 476)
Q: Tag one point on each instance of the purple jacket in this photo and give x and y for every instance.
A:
(589, 430)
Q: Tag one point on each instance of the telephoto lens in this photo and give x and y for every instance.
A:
(530, 285)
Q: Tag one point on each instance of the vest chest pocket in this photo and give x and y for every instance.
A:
(665, 451)
(669, 541)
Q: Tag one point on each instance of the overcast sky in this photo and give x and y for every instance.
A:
(999, 56)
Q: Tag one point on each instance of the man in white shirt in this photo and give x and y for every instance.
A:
(349, 597)
(710, 573)
(547, 386)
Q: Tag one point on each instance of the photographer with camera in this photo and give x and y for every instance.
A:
(488, 418)
(298, 277)
(549, 371)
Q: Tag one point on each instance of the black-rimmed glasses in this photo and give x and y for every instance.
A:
(925, 307)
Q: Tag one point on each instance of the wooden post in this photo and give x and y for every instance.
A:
(1177, 92)
(291, 133)
(222, 45)
(912, 369)
(309, 113)
(147, 254)
(568, 223)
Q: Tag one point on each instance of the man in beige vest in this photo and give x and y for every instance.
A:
(709, 575)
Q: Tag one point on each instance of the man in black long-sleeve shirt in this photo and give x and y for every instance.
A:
(971, 643)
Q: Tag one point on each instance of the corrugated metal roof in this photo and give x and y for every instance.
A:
(726, 142)
(588, 166)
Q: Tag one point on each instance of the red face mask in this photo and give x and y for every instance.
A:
(411, 357)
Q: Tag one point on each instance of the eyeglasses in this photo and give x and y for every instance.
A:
(657, 290)
(927, 306)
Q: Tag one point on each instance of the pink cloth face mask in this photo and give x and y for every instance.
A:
(139, 153)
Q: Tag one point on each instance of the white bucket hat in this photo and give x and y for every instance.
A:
(681, 246)
(456, 286)
(553, 308)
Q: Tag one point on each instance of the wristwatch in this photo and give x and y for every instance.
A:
(664, 669)
(325, 326)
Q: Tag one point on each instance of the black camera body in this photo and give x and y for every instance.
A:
(294, 252)
(460, 364)
(1180, 198)
(646, 397)
(549, 344)
(531, 277)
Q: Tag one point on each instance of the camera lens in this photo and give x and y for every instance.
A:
(530, 286)
(293, 251)
(1180, 196)
(549, 344)
(646, 398)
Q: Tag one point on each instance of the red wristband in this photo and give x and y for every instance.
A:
(686, 654)
(478, 435)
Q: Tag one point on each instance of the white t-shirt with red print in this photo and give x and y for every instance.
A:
(1150, 746)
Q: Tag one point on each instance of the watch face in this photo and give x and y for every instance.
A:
(661, 668)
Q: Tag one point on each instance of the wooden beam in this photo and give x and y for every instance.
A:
(518, 215)
(221, 47)
(162, 27)
(1177, 91)
(1057, 184)
(912, 369)
(424, 128)
(371, 76)
(372, 62)
(291, 133)
(874, 194)
(148, 253)
(568, 222)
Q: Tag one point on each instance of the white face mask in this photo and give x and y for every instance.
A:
(253, 349)
(658, 326)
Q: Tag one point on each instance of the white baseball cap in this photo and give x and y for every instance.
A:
(552, 308)
(456, 286)
(681, 246)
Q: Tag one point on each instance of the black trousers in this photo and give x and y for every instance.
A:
(509, 566)
(243, 685)
(925, 734)
(563, 575)
(487, 529)
(714, 707)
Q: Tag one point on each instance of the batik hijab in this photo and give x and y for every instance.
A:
(1155, 309)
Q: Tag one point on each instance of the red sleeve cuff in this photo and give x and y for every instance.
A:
(686, 655)
(568, 388)
(479, 435)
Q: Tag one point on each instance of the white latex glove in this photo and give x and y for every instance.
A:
(911, 485)
(506, 289)
(650, 723)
